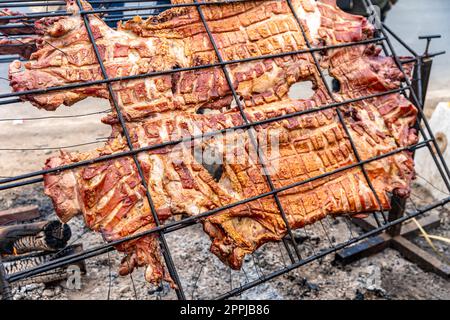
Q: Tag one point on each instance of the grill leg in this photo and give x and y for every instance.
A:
(398, 210)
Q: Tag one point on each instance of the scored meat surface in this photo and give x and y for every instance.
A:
(181, 178)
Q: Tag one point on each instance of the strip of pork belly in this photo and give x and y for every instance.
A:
(309, 146)
(362, 71)
(177, 38)
(112, 200)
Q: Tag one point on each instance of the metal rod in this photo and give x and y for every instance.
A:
(45, 3)
(16, 26)
(28, 3)
(130, 8)
(20, 1)
(10, 101)
(11, 4)
(36, 15)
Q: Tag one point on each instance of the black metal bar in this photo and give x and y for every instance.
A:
(165, 248)
(13, 36)
(396, 212)
(424, 72)
(15, 26)
(127, 17)
(187, 139)
(54, 117)
(418, 86)
(130, 8)
(36, 15)
(10, 101)
(28, 3)
(20, 1)
(252, 139)
(177, 70)
(173, 226)
(434, 54)
(429, 38)
(12, 4)
(339, 113)
(333, 249)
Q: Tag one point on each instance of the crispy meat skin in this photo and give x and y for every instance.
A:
(169, 107)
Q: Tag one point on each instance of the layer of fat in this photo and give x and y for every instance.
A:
(313, 19)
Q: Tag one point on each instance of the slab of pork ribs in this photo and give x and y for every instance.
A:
(169, 107)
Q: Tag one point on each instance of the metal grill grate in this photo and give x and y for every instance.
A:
(412, 88)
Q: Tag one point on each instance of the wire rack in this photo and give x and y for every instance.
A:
(411, 88)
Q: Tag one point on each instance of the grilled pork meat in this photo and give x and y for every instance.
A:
(170, 107)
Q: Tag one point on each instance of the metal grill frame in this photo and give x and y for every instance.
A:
(382, 38)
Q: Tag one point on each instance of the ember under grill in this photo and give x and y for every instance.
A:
(370, 151)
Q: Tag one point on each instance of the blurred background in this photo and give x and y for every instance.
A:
(413, 18)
